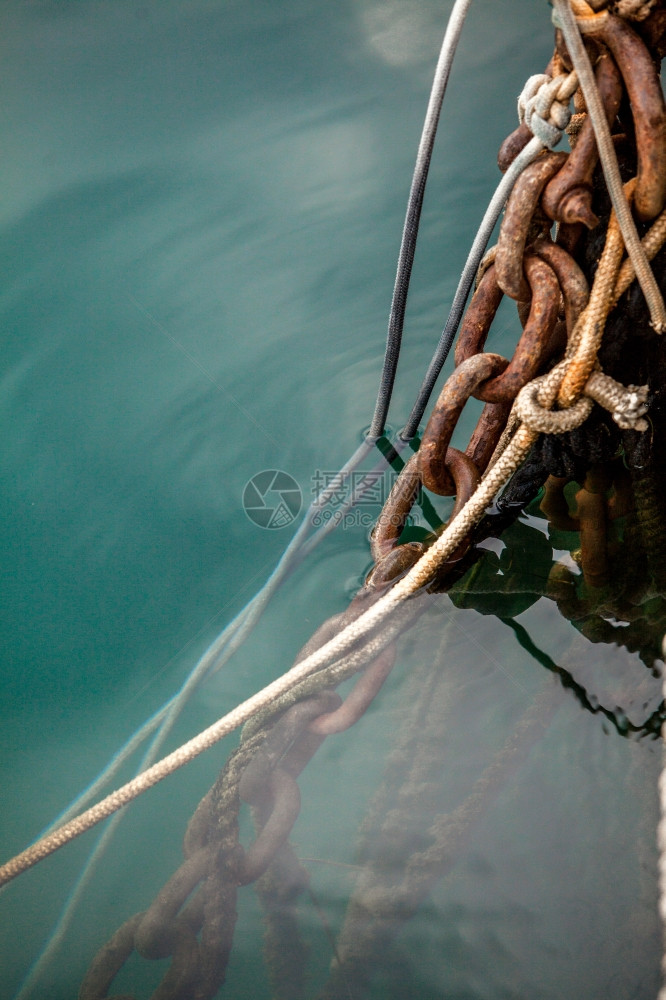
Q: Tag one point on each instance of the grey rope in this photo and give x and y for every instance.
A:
(413, 216)
(502, 192)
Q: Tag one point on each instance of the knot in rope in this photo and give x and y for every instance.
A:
(626, 404)
(544, 105)
(545, 421)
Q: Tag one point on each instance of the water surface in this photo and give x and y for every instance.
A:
(201, 212)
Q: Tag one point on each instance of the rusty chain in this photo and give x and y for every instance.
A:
(541, 273)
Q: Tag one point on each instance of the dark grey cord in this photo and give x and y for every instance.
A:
(413, 216)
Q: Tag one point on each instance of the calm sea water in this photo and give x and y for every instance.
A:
(200, 216)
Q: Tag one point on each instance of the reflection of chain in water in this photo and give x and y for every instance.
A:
(410, 838)
(200, 897)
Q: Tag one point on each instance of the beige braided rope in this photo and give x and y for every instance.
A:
(610, 282)
(652, 243)
(627, 404)
(588, 332)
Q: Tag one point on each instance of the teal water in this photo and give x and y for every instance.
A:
(201, 211)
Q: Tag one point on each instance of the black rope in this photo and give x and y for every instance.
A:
(413, 217)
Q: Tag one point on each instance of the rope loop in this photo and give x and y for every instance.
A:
(529, 91)
(626, 404)
(544, 421)
(544, 105)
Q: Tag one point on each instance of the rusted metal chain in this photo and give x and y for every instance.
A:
(593, 528)
(568, 24)
(535, 346)
(462, 384)
(202, 892)
(641, 79)
(517, 220)
(573, 283)
(395, 512)
(568, 196)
